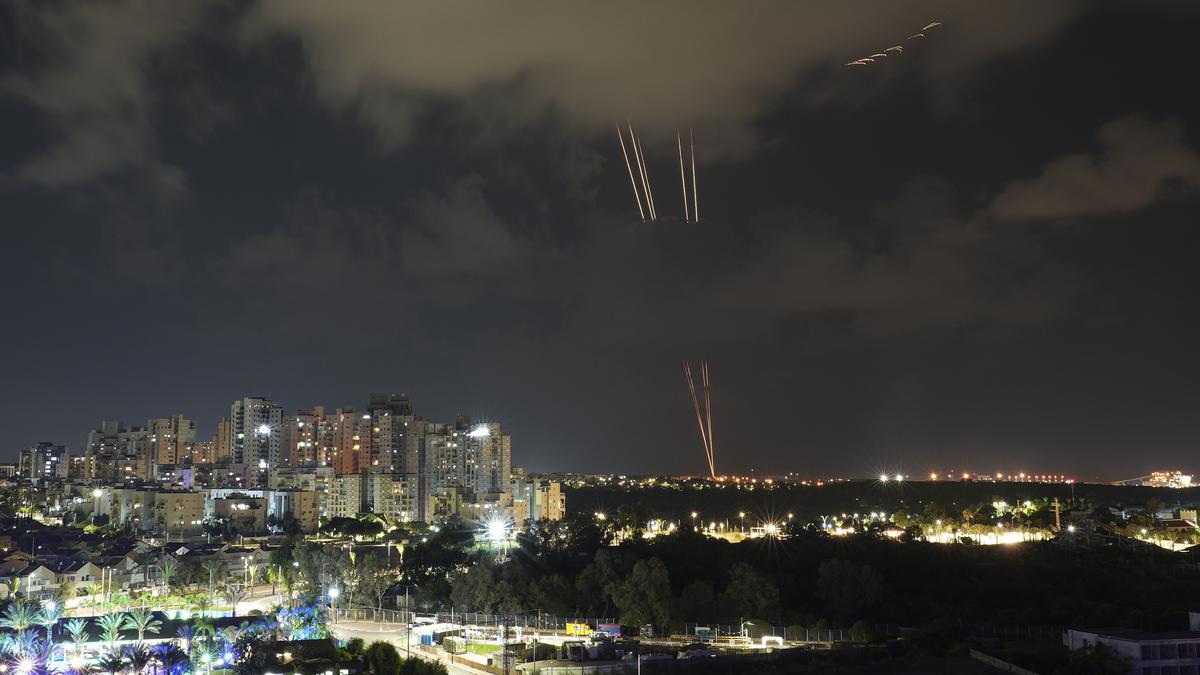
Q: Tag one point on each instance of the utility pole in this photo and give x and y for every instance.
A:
(1057, 516)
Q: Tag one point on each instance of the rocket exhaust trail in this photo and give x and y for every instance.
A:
(629, 168)
(695, 191)
(649, 190)
(687, 370)
(637, 156)
(712, 461)
(682, 176)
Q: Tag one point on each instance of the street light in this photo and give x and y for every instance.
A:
(742, 516)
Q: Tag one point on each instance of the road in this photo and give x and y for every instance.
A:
(395, 634)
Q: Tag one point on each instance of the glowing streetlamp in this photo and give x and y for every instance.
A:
(742, 517)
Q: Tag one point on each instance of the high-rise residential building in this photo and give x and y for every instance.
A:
(204, 452)
(488, 457)
(256, 425)
(100, 448)
(394, 495)
(538, 499)
(44, 460)
(223, 442)
(345, 496)
(172, 440)
(390, 418)
(115, 452)
(351, 433)
(299, 447)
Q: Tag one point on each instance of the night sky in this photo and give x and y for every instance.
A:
(981, 254)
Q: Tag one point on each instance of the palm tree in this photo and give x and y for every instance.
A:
(212, 567)
(204, 657)
(52, 611)
(94, 590)
(142, 620)
(186, 633)
(235, 594)
(168, 569)
(169, 657)
(111, 662)
(137, 657)
(110, 627)
(78, 630)
(19, 616)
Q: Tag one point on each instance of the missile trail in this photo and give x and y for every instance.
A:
(629, 168)
(641, 171)
(695, 190)
(649, 190)
(682, 176)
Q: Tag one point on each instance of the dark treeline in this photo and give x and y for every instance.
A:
(812, 579)
(810, 502)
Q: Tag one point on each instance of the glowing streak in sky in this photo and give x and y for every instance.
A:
(636, 197)
(682, 176)
(695, 191)
(637, 157)
(646, 173)
(705, 431)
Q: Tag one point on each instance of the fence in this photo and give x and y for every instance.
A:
(536, 620)
(1015, 631)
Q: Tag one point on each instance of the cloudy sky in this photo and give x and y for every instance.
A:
(978, 254)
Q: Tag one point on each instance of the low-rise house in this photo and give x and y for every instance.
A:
(1147, 653)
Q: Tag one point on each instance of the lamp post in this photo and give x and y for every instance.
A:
(333, 596)
(742, 526)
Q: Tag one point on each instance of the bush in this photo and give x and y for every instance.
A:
(863, 631)
(382, 658)
(355, 646)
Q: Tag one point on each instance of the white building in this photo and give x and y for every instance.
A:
(1175, 653)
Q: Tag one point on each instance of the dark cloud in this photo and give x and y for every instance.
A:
(1140, 160)
(90, 87)
(709, 65)
(377, 196)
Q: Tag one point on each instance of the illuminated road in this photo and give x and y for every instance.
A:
(395, 634)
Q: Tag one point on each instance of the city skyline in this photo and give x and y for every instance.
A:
(976, 251)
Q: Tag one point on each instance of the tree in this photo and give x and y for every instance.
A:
(1098, 660)
(212, 568)
(235, 595)
(170, 658)
(77, 628)
(696, 601)
(143, 621)
(846, 587)
(19, 616)
(863, 631)
(186, 633)
(749, 593)
(597, 578)
(48, 617)
(169, 570)
(110, 662)
(110, 627)
(382, 658)
(645, 596)
(373, 579)
(136, 657)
